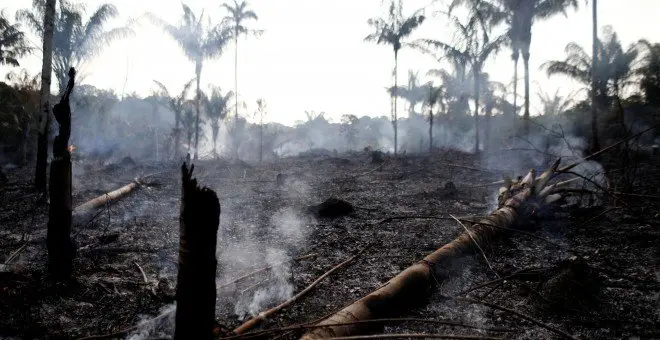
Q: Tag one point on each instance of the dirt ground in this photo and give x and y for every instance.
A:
(613, 293)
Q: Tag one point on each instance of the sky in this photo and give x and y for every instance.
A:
(312, 55)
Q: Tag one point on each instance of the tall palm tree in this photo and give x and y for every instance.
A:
(519, 16)
(13, 43)
(177, 105)
(199, 42)
(494, 94)
(614, 67)
(238, 15)
(75, 41)
(40, 180)
(217, 109)
(475, 47)
(392, 31)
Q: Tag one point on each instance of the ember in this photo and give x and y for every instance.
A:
(71, 148)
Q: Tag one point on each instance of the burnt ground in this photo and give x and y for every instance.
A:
(616, 294)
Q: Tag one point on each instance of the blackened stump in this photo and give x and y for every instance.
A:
(60, 247)
(195, 291)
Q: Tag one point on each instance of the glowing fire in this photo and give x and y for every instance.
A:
(71, 148)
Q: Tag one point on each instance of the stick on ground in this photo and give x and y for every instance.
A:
(263, 315)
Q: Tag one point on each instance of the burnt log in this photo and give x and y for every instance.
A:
(60, 247)
(195, 291)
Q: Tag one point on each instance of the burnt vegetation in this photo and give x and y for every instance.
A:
(467, 215)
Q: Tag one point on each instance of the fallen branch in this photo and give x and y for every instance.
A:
(414, 336)
(520, 315)
(374, 321)
(125, 331)
(107, 197)
(263, 315)
(260, 270)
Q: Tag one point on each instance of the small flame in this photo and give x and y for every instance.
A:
(71, 148)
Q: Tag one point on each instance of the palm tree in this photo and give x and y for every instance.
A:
(414, 93)
(434, 96)
(519, 16)
(649, 71)
(614, 66)
(494, 98)
(40, 181)
(217, 109)
(392, 31)
(13, 43)
(554, 104)
(475, 47)
(75, 42)
(238, 14)
(199, 42)
(177, 105)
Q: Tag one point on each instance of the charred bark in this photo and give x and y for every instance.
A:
(198, 227)
(517, 203)
(60, 246)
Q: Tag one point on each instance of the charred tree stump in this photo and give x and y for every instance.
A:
(60, 247)
(198, 227)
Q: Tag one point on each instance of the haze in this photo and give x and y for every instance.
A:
(312, 55)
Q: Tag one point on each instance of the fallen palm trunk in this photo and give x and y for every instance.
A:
(517, 202)
(195, 290)
(58, 240)
(107, 197)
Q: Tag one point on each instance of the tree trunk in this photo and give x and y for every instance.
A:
(107, 198)
(431, 128)
(261, 140)
(516, 204)
(177, 134)
(396, 84)
(40, 180)
(195, 291)
(526, 65)
(60, 246)
(236, 71)
(215, 127)
(198, 74)
(489, 113)
(516, 56)
(476, 110)
(595, 145)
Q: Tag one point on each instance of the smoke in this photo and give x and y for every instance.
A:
(159, 326)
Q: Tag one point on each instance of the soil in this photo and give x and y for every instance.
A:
(593, 264)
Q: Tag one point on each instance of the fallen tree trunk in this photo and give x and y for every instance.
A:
(195, 290)
(58, 240)
(517, 202)
(107, 197)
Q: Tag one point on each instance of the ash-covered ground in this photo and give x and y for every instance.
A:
(591, 269)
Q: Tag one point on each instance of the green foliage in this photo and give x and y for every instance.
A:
(75, 41)
(13, 43)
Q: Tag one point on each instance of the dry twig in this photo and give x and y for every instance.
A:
(263, 315)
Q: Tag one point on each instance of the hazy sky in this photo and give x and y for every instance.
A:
(312, 55)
